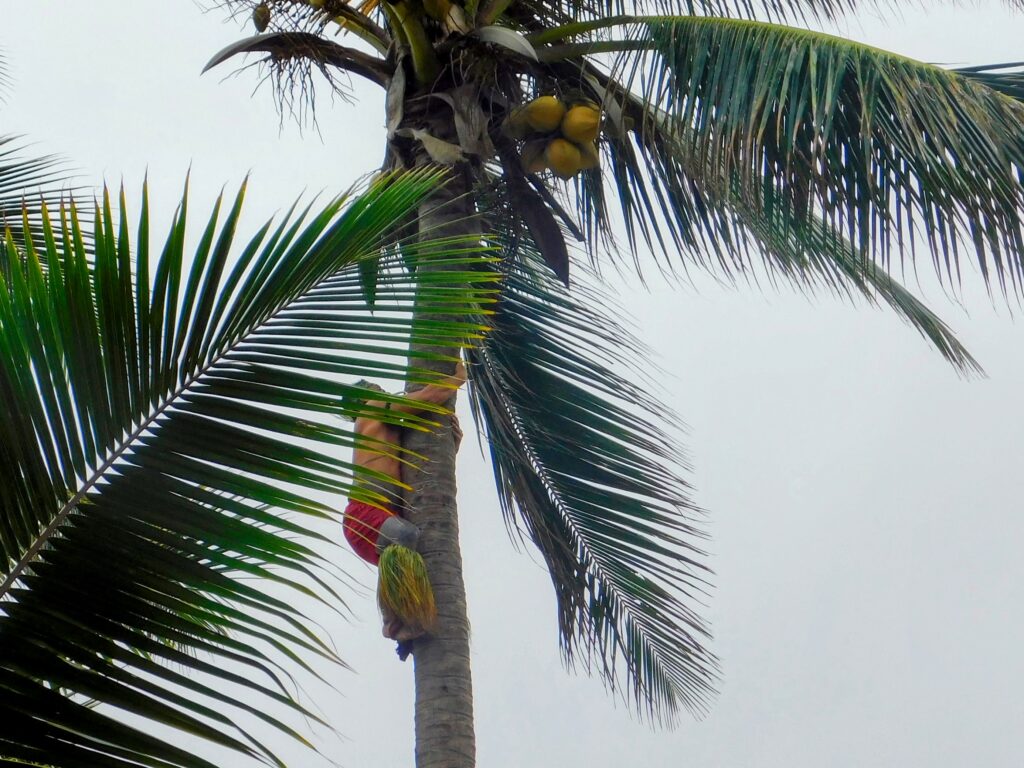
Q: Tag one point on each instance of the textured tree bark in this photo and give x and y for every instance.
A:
(444, 689)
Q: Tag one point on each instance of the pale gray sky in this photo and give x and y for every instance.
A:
(865, 501)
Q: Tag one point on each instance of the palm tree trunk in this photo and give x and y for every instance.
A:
(444, 689)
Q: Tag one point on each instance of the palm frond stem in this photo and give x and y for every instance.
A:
(566, 51)
(563, 31)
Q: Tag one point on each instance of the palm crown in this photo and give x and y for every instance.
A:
(721, 141)
(719, 136)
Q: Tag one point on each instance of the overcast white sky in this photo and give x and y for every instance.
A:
(865, 500)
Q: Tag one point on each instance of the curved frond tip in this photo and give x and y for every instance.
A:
(28, 185)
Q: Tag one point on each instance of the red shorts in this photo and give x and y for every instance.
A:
(362, 527)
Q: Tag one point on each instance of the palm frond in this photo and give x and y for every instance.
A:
(669, 199)
(806, 253)
(27, 183)
(584, 469)
(888, 151)
(811, 255)
(1007, 78)
(297, 46)
(165, 426)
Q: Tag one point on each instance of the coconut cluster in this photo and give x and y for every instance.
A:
(559, 136)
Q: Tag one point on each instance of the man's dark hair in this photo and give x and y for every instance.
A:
(364, 384)
(357, 401)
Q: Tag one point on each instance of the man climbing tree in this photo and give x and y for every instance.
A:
(379, 533)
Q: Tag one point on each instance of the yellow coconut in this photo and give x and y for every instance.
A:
(533, 156)
(589, 156)
(544, 113)
(563, 157)
(582, 123)
(516, 125)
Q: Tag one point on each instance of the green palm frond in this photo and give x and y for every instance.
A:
(575, 459)
(27, 184)
(812, 255)
(584, 469)
(716, 222)
(883, 148)
(165, 427)
(888, 151)
(733, 222)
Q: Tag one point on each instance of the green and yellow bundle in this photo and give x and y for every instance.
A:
(559, 137)
(404, 587)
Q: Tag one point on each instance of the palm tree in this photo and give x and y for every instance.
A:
(720, 141)
(723, 141)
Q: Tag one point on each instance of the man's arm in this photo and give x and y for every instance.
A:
(434, 393)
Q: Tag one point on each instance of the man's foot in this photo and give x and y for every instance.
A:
(406, 638)
(409, 632)
(394, 629)
(391, 628)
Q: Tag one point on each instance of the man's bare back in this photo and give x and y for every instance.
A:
(383, 460)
